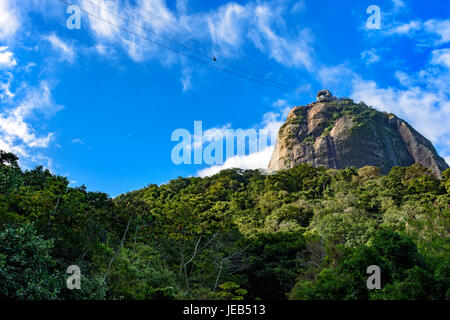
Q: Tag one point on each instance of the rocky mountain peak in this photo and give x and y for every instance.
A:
(339, 133)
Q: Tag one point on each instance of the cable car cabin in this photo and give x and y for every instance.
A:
(324, 95)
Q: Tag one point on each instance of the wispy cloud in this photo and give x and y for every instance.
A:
(9, 19)
(186, 79)
(290, 51)
(398, 4)
(100, 28)
(227, 27)
(65, 50)
(335, 76)
(370, 56)
(211, 134)
(438, 30)
(421, 97)
(424, 103)
(109, 19)
(5, 87)
(298, 6)
(77, 140)
(269, 125)
(257, 160)
(406, 28)
(441, 57)
(7, 59)
(25, 105)
(16, 133)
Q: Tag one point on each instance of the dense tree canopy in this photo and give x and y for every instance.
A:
(303, 233)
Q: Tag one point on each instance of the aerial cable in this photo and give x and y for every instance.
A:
(266, 83)
(202, 45)
(286, 85)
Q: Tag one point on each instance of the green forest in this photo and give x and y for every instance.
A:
(302, 233)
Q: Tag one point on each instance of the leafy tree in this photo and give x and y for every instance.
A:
(27, 270)
(231, 291)
(273, 263)
(305, 233)
(403, 272)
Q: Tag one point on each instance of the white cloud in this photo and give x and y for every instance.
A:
(335, 76)
(273, 120)
(23, 105)
(6, 58)
(439, 29)
(406, 28)
(66, 51)
(441, 57)
(426, 109)
(182, 6)
(9, 19)
(77, 140)
(298, 6)
(262, 22)
(229, 26)
(403, 78)
(186, 79)
(5, 87)
(257, 160)
(370, 56)
(215, 133)
(267, 129)
(289, 51)
(398, 4)
(280, 103)
(105, 10)
(29, 66)
(16, 133)
(104, 50)
(422, 98)
(226, 25)
(37, 159)
(211, 134)
(110, 18)
(269, 126)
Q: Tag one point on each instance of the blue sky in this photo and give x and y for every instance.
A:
(99, 104)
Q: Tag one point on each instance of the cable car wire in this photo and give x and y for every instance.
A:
(193, 50)
(203, 45)
(264, 82)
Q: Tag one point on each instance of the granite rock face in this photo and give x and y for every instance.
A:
(338, 133)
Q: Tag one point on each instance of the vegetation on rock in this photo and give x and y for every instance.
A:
(340, 133)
